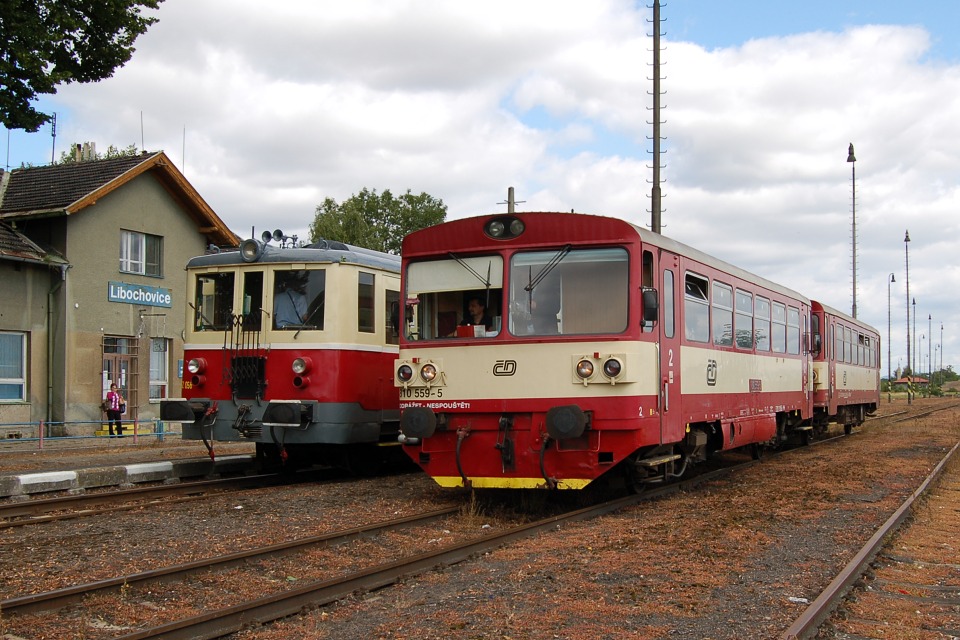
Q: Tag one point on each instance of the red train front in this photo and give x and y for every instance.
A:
(599, 348)
(292, 348)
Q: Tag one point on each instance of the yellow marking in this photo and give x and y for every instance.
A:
(510, 483)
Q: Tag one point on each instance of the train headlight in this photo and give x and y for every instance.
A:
(197, 365)
(428, 372)
(584, 369)
(612, 368)
(404, 373)
(504, 228)
(251, 250)
(301, 365)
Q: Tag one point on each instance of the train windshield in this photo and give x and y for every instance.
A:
(569, 291)
(213, 303)
(459, 297)
(298, 299)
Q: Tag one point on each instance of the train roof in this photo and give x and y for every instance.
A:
(583, 227)
(322, 252)
(658, 240)
(845, 317)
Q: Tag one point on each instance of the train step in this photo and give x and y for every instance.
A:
(657, 461)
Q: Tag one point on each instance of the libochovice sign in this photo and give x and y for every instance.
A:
(139, 294)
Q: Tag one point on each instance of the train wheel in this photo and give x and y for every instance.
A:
(756, 451)
(847, 429)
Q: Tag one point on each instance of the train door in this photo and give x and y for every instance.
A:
(669, 339)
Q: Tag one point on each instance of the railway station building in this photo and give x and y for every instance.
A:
(92, 286)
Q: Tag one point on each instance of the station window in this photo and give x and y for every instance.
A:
(696, 311)
(761, 324)
(141, 253)
(13, 366)
(722, 314)
(159, 367)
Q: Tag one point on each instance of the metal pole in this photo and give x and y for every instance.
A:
(929, 344)
(889, 374)
(906, 249)
(852, 159)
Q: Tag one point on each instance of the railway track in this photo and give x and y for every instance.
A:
(837, 593)
(65, 507)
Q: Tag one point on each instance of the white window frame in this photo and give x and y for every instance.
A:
(159, 369)
(134, 254)
(21, 379)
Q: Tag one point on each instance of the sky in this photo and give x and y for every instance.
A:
(268, 109)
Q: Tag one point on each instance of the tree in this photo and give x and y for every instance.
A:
(376, 221)
(46, 43)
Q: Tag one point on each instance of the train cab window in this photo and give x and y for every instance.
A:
(696, 310)
(252, 300)
(793, 330)
(213, 302)
(743, 320)
(778, 328)
(366, 316)
(569, 292)
(298, 299)
(722, 319)
(761, 324)
(439, 291)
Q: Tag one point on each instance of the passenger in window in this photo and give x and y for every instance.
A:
(289, 301)
(477, 314)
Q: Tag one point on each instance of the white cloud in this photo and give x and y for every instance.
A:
(268, 111)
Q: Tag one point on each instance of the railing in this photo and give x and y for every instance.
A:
(22, 433)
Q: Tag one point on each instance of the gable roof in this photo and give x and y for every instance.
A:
(65, 189)
(19, 248)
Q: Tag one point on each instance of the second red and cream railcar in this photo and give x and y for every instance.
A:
(609, 351)
(846, 368)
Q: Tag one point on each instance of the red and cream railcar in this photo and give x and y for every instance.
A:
(609, 349)
(292, 348)
(846, 368)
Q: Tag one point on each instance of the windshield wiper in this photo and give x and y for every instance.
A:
(547, 268)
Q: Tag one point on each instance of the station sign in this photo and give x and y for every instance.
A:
(139, 294)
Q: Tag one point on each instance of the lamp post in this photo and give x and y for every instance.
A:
(906, 249)
(913, 363)
(941, 353)
(929, 344)
(889, 375)
(852, 159)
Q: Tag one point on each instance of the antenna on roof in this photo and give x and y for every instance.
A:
(53, 134)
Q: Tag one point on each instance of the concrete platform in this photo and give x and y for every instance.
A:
(169, 470)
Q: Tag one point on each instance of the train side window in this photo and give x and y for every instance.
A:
(743, 320)
(778, 327)
(816, 339)
(669, 315)
(366, 320)
(838, 343)
(722, 314)
(793, 330)
(696, 309)
(213, 301)
(761, 327)
(392, 315)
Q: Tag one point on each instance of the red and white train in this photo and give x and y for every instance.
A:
(292, 348)
(604, 349)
